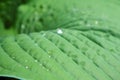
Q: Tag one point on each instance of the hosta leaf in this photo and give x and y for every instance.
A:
(61, 54)
(72, 40)
(40, 15)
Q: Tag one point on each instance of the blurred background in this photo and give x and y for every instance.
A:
(8, 11)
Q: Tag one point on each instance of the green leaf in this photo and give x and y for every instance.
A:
(72, 40)
(61, 54)
(40, 15)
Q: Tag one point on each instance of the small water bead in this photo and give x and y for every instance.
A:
(91, 23)
(26, 67)
(36, 60)
(44, 34)
(49, 56)
(59, 31)
(96, 22)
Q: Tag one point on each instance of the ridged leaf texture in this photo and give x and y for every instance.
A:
(40, 15)
(78, 40)
(61, 54)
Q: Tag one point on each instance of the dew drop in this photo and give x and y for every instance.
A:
(59, 31)
(49, 56)
(96, 22)
(36, 60)
(26, 67)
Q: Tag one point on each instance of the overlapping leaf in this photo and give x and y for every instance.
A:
(71, 41)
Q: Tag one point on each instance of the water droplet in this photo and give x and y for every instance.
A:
(36, 60)
(96, 22)
(49, 56)
(26, 67)
(59, 31)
